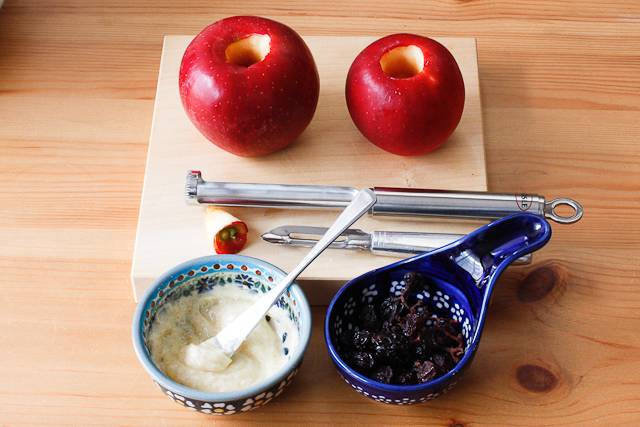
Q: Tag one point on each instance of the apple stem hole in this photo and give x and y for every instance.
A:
(248, 51)
(403, 62)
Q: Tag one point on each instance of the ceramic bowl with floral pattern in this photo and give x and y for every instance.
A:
(406, 333)
(197, 276)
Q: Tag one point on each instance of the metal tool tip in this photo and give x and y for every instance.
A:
(270, 237)
(191, 186)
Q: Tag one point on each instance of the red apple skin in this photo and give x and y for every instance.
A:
(249, 111)
(406, 116)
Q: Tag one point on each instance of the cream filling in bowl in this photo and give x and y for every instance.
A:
(177, 340)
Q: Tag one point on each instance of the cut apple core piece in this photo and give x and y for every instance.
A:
(403, 62)
(248, 51)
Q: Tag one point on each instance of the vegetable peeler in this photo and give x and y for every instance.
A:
(378, 242)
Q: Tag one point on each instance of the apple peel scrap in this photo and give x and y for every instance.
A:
(226, 233)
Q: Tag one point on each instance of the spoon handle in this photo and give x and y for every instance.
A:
(233, 335)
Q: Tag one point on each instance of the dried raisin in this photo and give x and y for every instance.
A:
(383, 374)
(426, 372)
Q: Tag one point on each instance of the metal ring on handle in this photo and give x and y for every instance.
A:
(550, 210)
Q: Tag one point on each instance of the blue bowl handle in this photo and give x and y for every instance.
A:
(519, 234)
(488, 250)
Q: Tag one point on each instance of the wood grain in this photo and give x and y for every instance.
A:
(560, 86)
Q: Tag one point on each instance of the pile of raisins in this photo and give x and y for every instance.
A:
(393, 343)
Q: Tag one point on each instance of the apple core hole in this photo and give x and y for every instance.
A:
(403, 62)
(248, 51)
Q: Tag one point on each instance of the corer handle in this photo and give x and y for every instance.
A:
(461, 204)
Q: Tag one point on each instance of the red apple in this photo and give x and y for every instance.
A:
(405, 93)
(249, 84)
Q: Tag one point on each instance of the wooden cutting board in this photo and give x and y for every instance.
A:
(330, 152)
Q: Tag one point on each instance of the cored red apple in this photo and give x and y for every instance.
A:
(405, 93)
(249, 84)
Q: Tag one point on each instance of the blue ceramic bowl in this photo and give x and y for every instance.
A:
(194, 276)
(460, 280)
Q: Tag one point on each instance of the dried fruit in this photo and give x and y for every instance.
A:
(363, 360)
(383, 375)
(401, 342)
(368, 318)
(390, 345)
(389, 309)
(426, 372)
(362, 339)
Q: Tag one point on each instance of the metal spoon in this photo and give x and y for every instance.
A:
(229, 339)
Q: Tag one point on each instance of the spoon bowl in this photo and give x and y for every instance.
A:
(459, 282)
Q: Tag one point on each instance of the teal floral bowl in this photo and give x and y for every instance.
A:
(198, 276)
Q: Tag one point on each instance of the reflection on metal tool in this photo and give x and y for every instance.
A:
(392, 243)
(390, 201)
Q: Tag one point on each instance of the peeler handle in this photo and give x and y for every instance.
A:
(398, 242)
(386, 242)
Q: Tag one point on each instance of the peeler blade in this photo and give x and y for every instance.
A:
(306, 236)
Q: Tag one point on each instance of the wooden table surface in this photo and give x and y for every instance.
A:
(560, 86)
